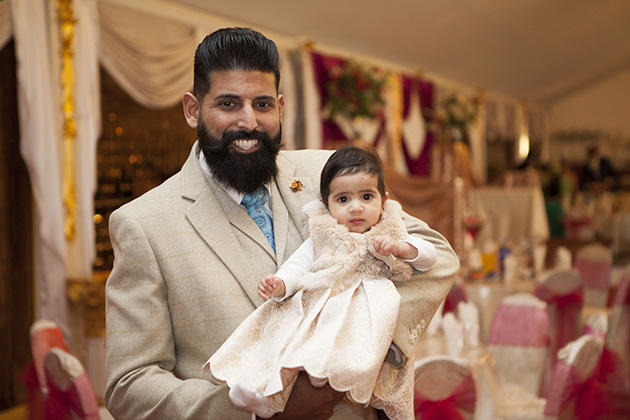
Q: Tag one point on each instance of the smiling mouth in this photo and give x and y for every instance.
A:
(246, 145)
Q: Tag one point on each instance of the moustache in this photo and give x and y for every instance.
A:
(229, 136)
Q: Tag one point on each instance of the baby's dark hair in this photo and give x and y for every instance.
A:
(349, 160)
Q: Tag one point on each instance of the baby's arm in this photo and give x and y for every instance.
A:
(270, 286)
(419, 253)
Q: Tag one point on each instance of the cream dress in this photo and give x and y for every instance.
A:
(337, 327)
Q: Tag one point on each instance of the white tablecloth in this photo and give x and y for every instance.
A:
(512, 214)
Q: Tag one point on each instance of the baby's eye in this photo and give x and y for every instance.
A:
(368, 196)
(342, 199)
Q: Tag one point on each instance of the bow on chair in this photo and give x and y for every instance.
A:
(464, 397)
(591, 400)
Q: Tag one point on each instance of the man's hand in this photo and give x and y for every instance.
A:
(308, 402)
(270, 286)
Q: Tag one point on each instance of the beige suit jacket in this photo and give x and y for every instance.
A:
(187, 263)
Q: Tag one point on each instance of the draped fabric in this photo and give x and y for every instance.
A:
(82, 250)
(417, 140)
(40, 146)
(322, 64)
(149, 57)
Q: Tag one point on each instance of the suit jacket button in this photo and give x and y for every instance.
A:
(413, 336)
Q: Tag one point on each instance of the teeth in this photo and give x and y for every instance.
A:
(245, 144)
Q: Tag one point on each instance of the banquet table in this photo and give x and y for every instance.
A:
(514, 214)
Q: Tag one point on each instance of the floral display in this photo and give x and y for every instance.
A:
(354, 91)
(457, 113)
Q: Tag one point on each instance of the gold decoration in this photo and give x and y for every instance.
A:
(89, 295)
(296, 185)
(66, 25)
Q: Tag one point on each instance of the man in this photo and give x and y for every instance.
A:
(188, 257)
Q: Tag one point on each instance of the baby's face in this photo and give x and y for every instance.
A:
(355, 202)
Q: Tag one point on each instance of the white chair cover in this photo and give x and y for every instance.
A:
(444, 388)
(518, 341)
(570, 397)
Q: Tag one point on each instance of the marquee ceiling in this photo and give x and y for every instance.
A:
(536, 50)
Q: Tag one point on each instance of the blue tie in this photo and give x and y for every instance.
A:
(254, 202)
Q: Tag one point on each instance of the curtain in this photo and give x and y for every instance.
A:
(40, 146)
(149, 56)
(87, 113)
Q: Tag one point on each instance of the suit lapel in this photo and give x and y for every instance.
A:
(211, 215)
(294, 199)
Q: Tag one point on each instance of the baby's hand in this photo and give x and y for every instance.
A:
(270, 286)
(386, 245)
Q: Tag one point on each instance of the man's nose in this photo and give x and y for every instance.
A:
(247, 118)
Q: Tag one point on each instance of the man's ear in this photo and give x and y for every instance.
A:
(280, 105)
(191, 109)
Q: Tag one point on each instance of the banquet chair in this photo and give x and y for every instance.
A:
(71, 395)
(562, 290)
(444, 388)
(575, 392)
(518, 341)
(44, 335)
(618, 336)
(594, 262)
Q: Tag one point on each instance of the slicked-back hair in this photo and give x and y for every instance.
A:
(350, 160)
(233, 49)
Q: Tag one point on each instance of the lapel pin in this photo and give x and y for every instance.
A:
(296, 185)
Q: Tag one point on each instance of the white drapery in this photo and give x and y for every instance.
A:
(40, 146)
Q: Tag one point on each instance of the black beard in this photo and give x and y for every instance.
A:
(243, 172)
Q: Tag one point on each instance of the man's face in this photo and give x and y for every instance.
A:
(239, 128)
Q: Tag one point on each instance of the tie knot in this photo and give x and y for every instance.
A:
(255, 198)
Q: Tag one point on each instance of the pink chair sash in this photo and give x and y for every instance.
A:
(464, 397)
(79, 398)
(622, 296)
(591, 401)
(532, 331)
(43, 340)
(595, 274)
(566, 310)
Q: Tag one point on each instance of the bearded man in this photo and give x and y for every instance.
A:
(189, 253)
